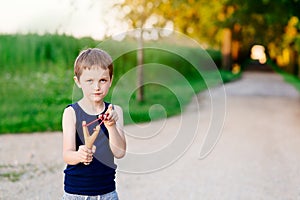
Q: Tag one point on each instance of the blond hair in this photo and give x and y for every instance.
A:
(93, 58)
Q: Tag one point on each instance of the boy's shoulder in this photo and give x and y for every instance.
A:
(69, 108)
(73, 108)
(69, 113)
(71, 105)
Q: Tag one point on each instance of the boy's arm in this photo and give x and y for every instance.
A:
(70, 155)
(115, 125)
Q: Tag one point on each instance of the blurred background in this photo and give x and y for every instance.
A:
(40, 40)
(250, 46)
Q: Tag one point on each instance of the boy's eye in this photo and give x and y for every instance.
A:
(103, 80)
(89, 80)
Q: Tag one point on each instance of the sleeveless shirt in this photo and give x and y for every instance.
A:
(98, 177)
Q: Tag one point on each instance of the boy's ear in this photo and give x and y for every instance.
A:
(77, 81)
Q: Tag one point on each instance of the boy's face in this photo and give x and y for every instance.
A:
(95, 83)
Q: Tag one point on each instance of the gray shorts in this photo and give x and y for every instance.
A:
(108, 196)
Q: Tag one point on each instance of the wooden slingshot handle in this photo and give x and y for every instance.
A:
(89, 139)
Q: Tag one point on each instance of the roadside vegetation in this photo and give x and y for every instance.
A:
(37, 81)
(288, 77)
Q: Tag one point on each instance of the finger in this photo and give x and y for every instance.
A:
(110, 107)
(107, 116)
(82, 148)
(85, 148)
(109, 111)
(89, 151)
(94, 149)
(89, 158)
(101, 116)
(83, 155)
(114, 116)
(110, 123)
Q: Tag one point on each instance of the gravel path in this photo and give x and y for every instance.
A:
(256, 157)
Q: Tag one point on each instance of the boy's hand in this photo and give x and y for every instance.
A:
(111, 116)
(86, 154)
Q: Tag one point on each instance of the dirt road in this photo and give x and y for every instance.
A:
(256, 157)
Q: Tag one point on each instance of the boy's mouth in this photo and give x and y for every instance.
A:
(97, 94)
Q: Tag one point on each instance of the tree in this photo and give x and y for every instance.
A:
(233, 25)
(264, 22)
(236, 25)
(143, 16)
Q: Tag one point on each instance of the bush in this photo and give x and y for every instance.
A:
(37, 82)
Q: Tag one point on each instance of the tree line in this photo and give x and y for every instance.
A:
(233, 26)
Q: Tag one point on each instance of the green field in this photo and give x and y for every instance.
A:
(37, 80)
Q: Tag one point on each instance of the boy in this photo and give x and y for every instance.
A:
(90, 173)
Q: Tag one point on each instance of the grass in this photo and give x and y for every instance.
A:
(293, 80)
(12, 176)
(33, 101)
(37, 84)
(12, 173)
(289, 78)
(19, 172)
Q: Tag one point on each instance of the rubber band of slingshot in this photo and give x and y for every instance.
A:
(88, 124)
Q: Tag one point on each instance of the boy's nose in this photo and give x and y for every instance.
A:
(97, 86)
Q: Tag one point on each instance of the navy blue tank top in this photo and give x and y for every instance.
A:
(98, 177)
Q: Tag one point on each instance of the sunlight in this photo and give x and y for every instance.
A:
(258, 53)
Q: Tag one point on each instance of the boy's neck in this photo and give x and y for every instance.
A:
(93, 108)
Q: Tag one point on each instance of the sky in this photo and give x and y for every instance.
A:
(79, 18)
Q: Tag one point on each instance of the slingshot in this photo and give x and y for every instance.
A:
(90, 139)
